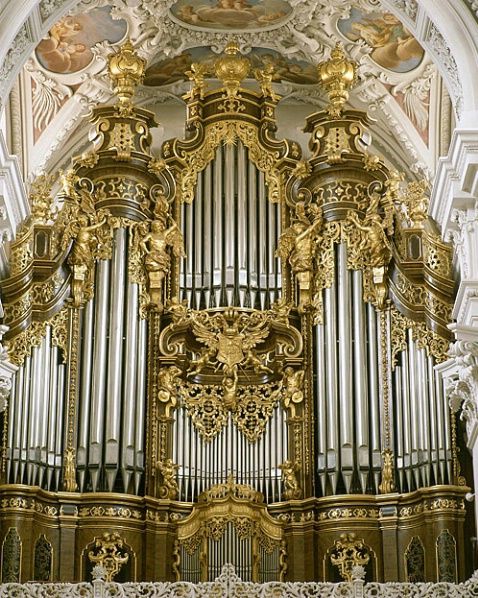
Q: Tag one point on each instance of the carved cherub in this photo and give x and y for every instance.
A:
(292, 384)
(169, 488)
(229, 385)
(167, 381)
(178, 309)
(264, 77)
(291, 485)
(196, 75)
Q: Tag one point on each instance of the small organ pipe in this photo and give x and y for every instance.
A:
(407, 431)
(85, 390)
(414, 407)
(27, 413)
(16, 418)
(360, 379)
(399, 419)
(432, 406)
(59, 424)
(53, 414)
(129, 388)
(115, 350)
(34, 427)
(98, 387)
(373, 378)
(331, 373)
(45, 404)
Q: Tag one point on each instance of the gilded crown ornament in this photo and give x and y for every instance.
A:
(231, 69)
(126, 70)
(338, 75)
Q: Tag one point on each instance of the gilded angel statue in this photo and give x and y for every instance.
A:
(81, 258)
(296, 243)
(157, 260)
(375, 242)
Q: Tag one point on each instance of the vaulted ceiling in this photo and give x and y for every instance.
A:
(399, 84)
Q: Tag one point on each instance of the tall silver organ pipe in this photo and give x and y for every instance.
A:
(231, 231)
(348, 398)
(110, 446)
(203, 464)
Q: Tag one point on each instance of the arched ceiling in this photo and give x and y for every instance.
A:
(402, 53)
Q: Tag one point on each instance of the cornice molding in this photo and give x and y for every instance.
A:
(14, 207)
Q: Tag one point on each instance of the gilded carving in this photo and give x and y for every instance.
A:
(110, 552)
(169, 486)
(292, 388)
(41, 200)
(155, 247)
(349, 552)
(168, 380)
(69, 471)
(292, 489)
(297, 245)
(337, 75)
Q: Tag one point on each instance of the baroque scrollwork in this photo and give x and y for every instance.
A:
(348, 553)
(109, 551)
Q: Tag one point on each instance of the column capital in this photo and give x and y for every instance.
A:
(462, 392)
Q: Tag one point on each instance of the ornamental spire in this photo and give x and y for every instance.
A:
(338, 75)
(126, 70)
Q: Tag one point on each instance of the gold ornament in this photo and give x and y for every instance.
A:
(126, 70)
(109, 552)
(292, 388)
(231, 69)
(387, 484)
(169, 488)
(157, 260)
(292, 489)
(69, 480)
(168, 379)
(337, 76)
(349, 552)
(297, 244)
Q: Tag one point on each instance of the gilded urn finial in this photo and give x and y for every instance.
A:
(337, 75)
(231, 69)
(126, 70)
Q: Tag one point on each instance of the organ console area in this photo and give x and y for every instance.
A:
(227, 351)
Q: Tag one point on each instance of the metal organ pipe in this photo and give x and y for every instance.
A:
(374, 401)
(115, 346)
(129, 388)
(360, 380)
(85, 388)
(98, 388)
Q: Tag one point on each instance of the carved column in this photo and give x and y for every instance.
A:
(7, 370)
(454, 205)
(463, 394)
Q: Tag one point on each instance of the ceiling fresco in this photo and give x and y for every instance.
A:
(170, 70)
(67, 48)
(66, 73)
(393, 46)
(231, 14)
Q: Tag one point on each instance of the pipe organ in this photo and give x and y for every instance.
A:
(226, 352)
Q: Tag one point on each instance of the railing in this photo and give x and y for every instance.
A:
(228, 585)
